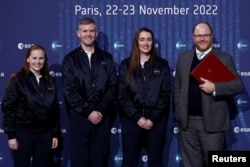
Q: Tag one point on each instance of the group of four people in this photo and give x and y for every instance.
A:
(143, 88)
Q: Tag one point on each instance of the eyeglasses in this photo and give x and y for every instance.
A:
(203, 36)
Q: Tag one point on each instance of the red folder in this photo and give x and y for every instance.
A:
(212, 69)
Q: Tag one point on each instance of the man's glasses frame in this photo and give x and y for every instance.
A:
(202, 36)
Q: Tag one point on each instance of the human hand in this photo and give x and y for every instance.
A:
(13, 144)
(95, 117)
(141, 122)
(54, 143)
(207, 86)
(149, 124)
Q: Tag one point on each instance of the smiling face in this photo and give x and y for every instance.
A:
(145, 42)
(202, 37)
(36, 61)
(87, 33)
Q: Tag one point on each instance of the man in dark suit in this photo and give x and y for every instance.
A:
(201, 109)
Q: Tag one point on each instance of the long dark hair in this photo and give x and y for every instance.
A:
(135, 54)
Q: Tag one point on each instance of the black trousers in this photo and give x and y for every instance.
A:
(35, 145)
(135, 138)
(89, 143)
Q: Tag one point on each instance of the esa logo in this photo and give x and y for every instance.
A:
(144, 158)
(1, 158)
(173, 73)
(56, 45)
(178, 158)
(156, 45)
(243, 45)
(180, 45)
(216, 45)
(63, 130)
(23, 46)
(242, 101)
(55, 74)
(241, 130)
(115, 130)
(118, 45)
(175, 130)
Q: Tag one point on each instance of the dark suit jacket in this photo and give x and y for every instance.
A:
(214, 108)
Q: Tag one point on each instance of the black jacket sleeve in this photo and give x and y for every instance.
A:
(9, 107)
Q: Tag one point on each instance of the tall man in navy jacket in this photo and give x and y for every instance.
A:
(90, 87)
(202, 109)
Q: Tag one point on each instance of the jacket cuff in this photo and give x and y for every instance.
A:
(101, 110)
(136, 117)
(56, 134)
(11, 135)
(88, 111)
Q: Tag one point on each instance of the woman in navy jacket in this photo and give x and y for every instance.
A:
(31, 112)
(144, 92)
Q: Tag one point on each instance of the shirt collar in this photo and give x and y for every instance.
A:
(205, 53)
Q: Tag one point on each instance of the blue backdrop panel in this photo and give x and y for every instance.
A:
(53, 24)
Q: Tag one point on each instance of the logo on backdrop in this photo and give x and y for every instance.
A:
(175, 130)
(156, 45)
(216, 45)
(241, 130)
(178, 158)
(180, 46)
(63, 130)
(242, 101)
(144, 158)
(243, 45)
(55, 74)
(23, 46)
(1, 158)
(115, 130)
(244, 73)
(174, 73)
(1, 74)
(56, 45)
(118, 158)
(118, 45)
